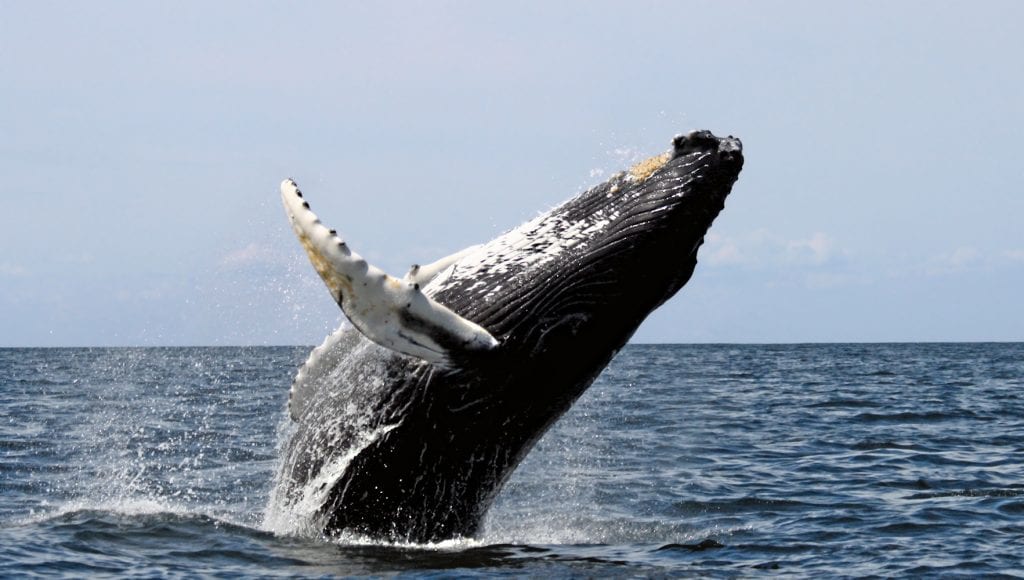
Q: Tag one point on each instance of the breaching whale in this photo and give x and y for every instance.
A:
(409, 420)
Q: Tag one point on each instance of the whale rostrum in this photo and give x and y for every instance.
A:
(391, 312)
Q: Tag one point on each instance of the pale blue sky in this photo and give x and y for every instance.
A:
(141, 146)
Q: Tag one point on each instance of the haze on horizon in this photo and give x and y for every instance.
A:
(143, 144)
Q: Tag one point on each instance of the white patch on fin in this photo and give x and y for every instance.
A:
(391, 312)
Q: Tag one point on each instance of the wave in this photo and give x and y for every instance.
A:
(970, 493)
(125, 508)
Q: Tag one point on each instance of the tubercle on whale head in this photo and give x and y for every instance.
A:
(706, 141)
(681, 197)
(683, 188)
(728, 149)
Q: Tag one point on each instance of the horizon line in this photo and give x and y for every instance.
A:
(299, 345)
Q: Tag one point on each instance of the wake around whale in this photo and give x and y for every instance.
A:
(409, 420)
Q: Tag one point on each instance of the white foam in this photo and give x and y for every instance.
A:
(287, 516)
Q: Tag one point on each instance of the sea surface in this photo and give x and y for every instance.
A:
(682, 460)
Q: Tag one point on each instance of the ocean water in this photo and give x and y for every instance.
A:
(681, 460)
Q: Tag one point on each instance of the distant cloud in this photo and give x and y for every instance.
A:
(722, 251)
(964, 256)
(764, 248)
(814, 261)
(9, 270)
(141, 295)
(820, 280)
(249, 255)
(1014, 255)
(957, 260)
(968, 258)
(816, 250)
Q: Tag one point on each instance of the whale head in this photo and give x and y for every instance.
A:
(583, 276)
(410, 420)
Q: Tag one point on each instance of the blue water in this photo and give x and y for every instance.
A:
(718, 460)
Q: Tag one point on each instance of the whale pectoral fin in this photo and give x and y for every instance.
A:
(391, 312)
(432, 327)
(423, 274)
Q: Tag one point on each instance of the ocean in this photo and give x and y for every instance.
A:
(849, 460)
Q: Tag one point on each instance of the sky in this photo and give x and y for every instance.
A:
(142, 144)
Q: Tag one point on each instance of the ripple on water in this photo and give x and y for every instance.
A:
(703, 460)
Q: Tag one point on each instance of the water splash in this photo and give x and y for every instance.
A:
(339, 399)
(144, 430)
(295, 511)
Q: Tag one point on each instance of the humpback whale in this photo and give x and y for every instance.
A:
(408, 421)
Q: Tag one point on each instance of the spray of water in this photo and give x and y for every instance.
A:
(161, 430)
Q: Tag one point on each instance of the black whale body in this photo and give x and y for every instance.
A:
(395, 448)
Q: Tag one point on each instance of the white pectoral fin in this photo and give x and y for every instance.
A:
(391, 312)
(431, 326)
